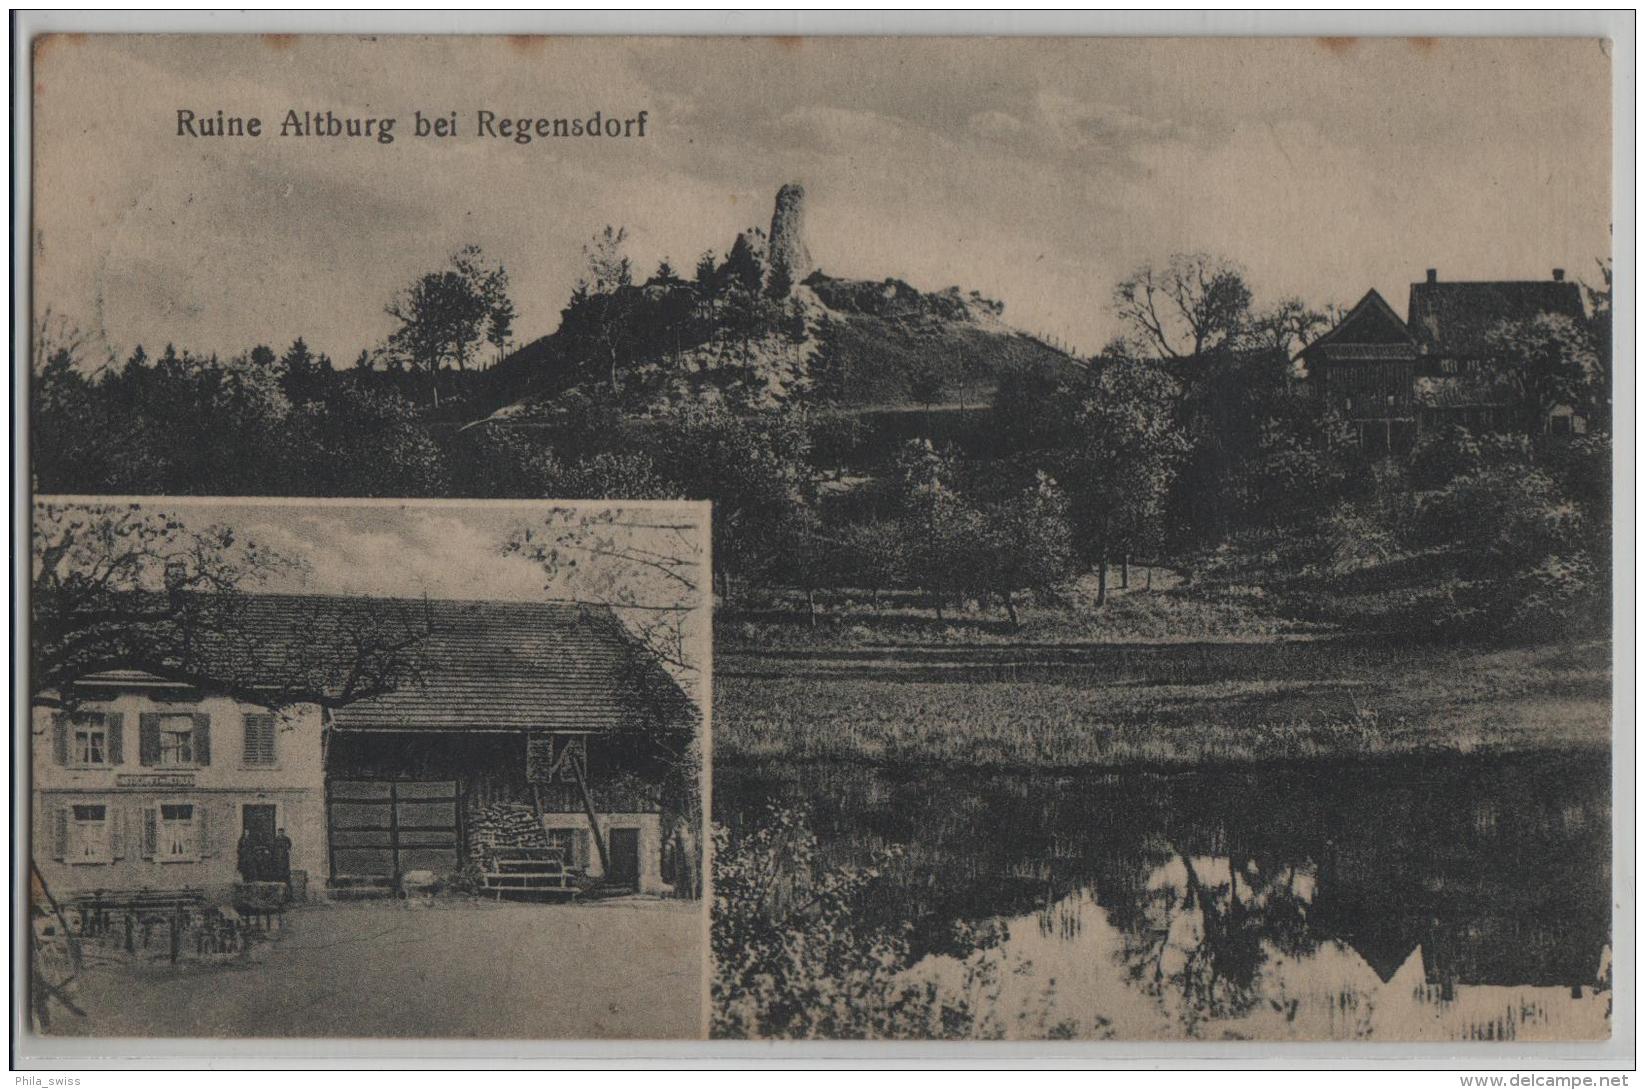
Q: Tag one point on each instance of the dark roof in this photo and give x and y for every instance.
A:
(1456, 317)
(1372, 322)
(460, 665)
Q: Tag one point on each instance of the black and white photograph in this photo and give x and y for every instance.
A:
(1150, 500)
(383, 770)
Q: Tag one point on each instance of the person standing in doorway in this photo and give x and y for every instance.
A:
(281, 861)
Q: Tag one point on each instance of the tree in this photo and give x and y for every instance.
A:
(925, 384)
(754, 468)
(1551, 363)
(1599, 332)
(598, 317)
(490, 285)
(1112, 437)
(794, 959)
(1029, 545)
(608, 266)
(1198, 302)
(745, 264)
(947, 550)
(647, 566)
(124, 586)
(365, 442)
(665, 273)
(446, 315)
(303, 374)
(706, 266)
(1288, 326)
(780, 283)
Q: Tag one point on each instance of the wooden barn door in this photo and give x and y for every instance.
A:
(381, 829)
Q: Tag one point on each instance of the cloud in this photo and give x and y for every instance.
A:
(1034, 170)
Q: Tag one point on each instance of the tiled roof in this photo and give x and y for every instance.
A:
(1371, 322)
(473, 665)
(1456, 317)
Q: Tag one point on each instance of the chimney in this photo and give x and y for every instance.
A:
(1559, 276)
(1433, 276)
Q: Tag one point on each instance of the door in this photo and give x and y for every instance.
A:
(380, 829)
(257, 822)
(625, 858)
(256, 844)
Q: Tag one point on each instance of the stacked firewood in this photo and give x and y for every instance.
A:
(502, 825)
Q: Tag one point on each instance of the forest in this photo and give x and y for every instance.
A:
(1190, 443)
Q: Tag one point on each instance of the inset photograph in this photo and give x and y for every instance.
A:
(368, 769)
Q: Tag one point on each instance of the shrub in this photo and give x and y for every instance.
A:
(792, 959)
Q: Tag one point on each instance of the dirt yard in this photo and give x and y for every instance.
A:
(442, 968)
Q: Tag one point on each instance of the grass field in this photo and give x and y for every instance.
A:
(1080, 688)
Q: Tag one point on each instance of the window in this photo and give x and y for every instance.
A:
(177, 834)
(177, 741)
(89, 744)
(89, 840)
(259, 749)
(174, 740)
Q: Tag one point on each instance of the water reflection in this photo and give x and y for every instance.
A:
(1435, 899)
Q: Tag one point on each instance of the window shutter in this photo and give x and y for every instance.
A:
(115, 722)
(202, 830)
(259, 749)
(60, 835)
(148, 738)
(117, 832)
(151, 831)
(202, 739)
(60, 737)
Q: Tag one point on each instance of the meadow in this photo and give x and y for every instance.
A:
(1163, 678)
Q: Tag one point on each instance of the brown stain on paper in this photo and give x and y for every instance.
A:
(45, 43)
(280, 42)
(1337, 46)
(528, 44)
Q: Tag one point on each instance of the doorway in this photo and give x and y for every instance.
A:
(258, 823)
(625, 859)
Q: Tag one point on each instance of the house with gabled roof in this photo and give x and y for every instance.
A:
(1393, 378)
(539, 732)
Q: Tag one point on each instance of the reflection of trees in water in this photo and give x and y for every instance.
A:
(1497, 867)
(1205, 927)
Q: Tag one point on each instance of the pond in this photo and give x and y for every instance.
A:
(1441, 897)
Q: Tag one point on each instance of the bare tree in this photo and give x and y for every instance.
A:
(1197, 303)
(1287, 326)
(644, 565)
(601, 300)
(648, 568)
(122, 587)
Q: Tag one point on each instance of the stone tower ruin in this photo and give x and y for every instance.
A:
(788, 251)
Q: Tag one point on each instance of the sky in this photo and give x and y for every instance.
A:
(1036, 171)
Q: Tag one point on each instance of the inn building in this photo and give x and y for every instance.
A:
(522, 725)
